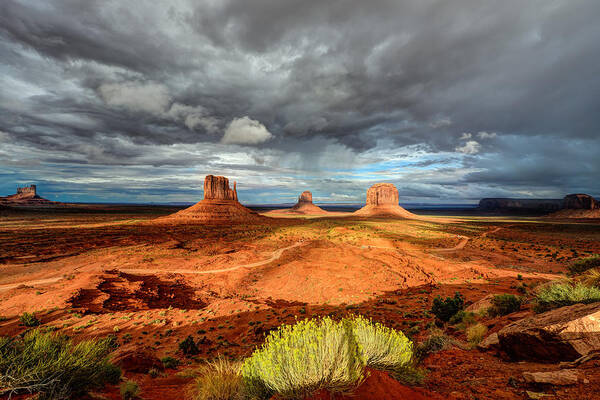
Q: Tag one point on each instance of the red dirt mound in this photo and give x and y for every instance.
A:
(220, 205)
(380, 386)
(382, 200)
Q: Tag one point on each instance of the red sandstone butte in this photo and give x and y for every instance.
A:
(382, 200)
(305, 205)
(220, 205)
(217, 188)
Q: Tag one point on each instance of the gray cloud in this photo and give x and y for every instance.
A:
(347, 88)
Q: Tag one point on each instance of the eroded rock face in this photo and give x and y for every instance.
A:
(382, 194)
(217, 188)
(305, 197)
(580, 202)
(563, 334)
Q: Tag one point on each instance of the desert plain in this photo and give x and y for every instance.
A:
(151, 282)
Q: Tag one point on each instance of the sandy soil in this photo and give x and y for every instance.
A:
(151, 285)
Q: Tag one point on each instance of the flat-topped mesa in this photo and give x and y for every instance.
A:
(382, 194)
(217, 188)
(580, 202)
(382, 201)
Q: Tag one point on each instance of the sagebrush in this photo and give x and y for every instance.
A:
(220, 379)
(53, 366)
(297, 360)
(563, 294)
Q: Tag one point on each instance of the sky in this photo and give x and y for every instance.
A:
(451, 101)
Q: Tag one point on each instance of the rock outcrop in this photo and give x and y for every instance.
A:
(578, 206)
(220, 205)
(382, 200)
(563, 377)
(217, 188)
(27, 197)
(580, 202)
(563, 334)
(305, 205)
(382, 194)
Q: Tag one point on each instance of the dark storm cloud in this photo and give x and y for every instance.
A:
(338, 89)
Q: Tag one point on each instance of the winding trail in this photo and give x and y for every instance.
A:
(275, 256)
(30, 283)
(463, 241)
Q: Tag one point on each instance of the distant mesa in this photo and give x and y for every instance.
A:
(382, 200)
(306, 206)
(571, 206)
(520, 206)
(26, 197)
(220, 205)
(580, 202)
(578, 206)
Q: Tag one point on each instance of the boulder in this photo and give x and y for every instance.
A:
(563, 334)
(481, 304)
(561, 377)
(490, 342)
(382, 194)
(136, 359)
(217, 188)
(580, 202)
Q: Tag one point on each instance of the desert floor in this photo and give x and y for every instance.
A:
(152, 285)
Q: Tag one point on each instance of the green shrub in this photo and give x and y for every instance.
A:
(504, 304)
(563, 294)
(297, 360)
(381, 347)
(55, 368)
(584, 264)
(463, 317)
(435, 342)
(170, 362)
(188, 346)
(29, 319)
(220, 380)
(445, 309)
(475, 333)
(129, 390)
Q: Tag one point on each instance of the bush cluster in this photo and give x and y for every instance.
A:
(446, 309)
(189, 347)
(129, 390)
(52, 366)
(584, 264)
(29, 320)
(504, 304)
(297, 360)
(563, 294)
